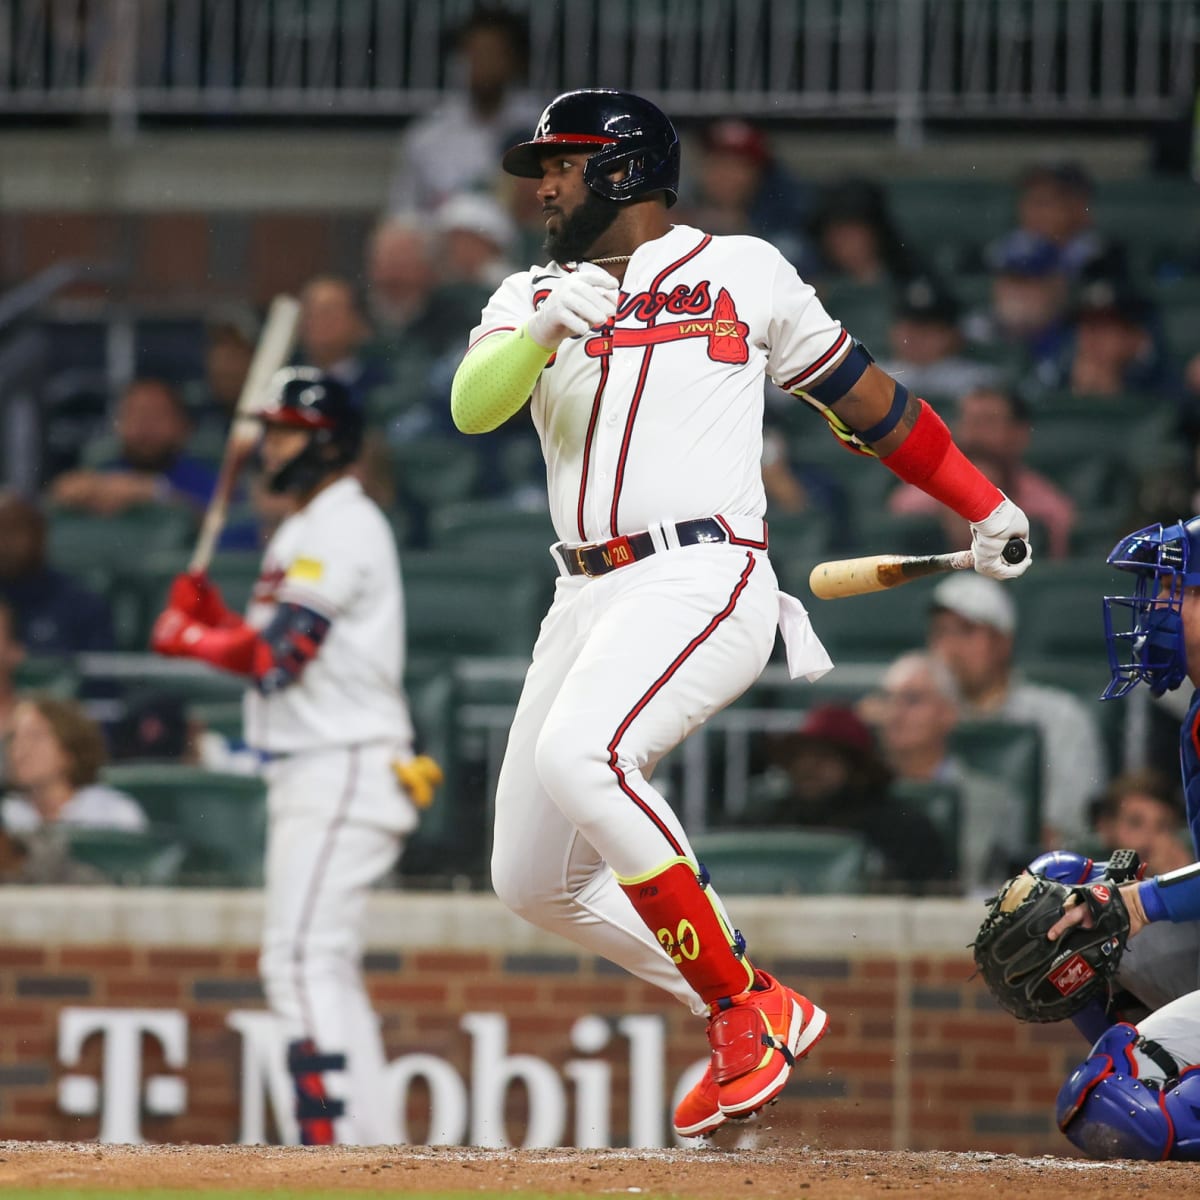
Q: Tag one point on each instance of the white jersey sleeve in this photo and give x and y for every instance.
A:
(510, 306)
(804, 340)
(328, 573)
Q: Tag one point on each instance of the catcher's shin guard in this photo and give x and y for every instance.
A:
(691, 929)
(1108, 1111)
(315, 1110)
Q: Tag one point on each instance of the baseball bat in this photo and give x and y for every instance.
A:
(272, 352)
(877, 573)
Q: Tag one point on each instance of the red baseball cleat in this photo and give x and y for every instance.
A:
(756, 1039)
(699, 1112)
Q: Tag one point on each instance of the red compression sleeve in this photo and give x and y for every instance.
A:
(929, 459)
(237, 648)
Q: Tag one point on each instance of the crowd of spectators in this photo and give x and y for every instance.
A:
(1055, 310)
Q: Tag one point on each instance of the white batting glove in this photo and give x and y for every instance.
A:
(992, 534)
(577, 302)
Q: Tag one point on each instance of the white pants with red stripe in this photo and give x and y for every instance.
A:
(625, 667)
(336, 820)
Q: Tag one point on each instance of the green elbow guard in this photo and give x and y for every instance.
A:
(495, 379)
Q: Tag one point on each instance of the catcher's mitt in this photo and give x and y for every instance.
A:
(1039, 980)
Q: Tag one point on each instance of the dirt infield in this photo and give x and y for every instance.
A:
(706, 1174)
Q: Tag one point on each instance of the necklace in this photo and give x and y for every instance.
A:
(612, 258)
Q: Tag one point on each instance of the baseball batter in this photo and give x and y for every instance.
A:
(1137, 1095)
(323, 646)
(643, 348)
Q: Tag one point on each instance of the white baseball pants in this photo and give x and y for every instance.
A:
(323, 855)
(625, 667)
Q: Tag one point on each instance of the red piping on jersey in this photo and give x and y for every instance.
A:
(619, 478)
(734, 540)
(655, 688)
(488, 333)
(805, 375)
(1196, 733)
(587, 443)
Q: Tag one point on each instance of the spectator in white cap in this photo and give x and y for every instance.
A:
(477, 237)
(972, 629)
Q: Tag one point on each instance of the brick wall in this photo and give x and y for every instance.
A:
(918, 1055)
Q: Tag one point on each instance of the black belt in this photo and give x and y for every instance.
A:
(599, 558)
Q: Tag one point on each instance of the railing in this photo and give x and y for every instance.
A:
(904, 60)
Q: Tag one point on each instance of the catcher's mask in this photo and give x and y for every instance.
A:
(307, 399)
(1144, 631)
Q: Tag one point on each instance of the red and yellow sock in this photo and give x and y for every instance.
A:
(691, 929)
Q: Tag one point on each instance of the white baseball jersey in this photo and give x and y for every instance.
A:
(658, 417)
(337, 557)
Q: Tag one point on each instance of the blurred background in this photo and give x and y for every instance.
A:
(999, 199)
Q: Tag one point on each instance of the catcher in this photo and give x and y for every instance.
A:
(1056, 941)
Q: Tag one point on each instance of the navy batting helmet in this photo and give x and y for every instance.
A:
(306, 398)
(623, 129)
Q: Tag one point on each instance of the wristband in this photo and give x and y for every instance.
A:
(929, 460)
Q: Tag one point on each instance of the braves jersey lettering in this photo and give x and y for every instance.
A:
(657, 416)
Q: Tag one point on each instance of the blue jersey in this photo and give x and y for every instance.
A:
(1189, 768)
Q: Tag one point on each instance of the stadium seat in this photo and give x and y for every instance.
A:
(494, 527)
(471, 604)
(872, 628)
(784, 861)
(78, 542)
(56, 676)
(434, 471)
(941, 803)
(1061, 612)
(219, 818)
(150, 859)
(1009, 752)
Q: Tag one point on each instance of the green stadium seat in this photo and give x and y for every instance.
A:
(56, 676)
(494, 527)
(472, 604)
(150, 859)
(434, 471)
(1010, 752)
(1061, 611)
(219, 716)
(775, 861)
(872, 628)
(78, 542)
(941, 803)
(221, 819)
(864, 309)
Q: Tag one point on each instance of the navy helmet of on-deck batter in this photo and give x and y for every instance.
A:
(306, 398)
(625, 131)
(1149, 646)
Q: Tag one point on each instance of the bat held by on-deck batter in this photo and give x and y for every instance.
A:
(272, 352)
(878, 572)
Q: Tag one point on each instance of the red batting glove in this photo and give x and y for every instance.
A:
(193, 593)
(176, 633)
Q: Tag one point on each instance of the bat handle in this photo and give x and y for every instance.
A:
(1015, 550)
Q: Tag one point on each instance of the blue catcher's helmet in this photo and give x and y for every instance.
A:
(623, 129)
(1145, 631)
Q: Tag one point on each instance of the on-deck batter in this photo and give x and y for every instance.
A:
(644, 349)
(323, 643)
